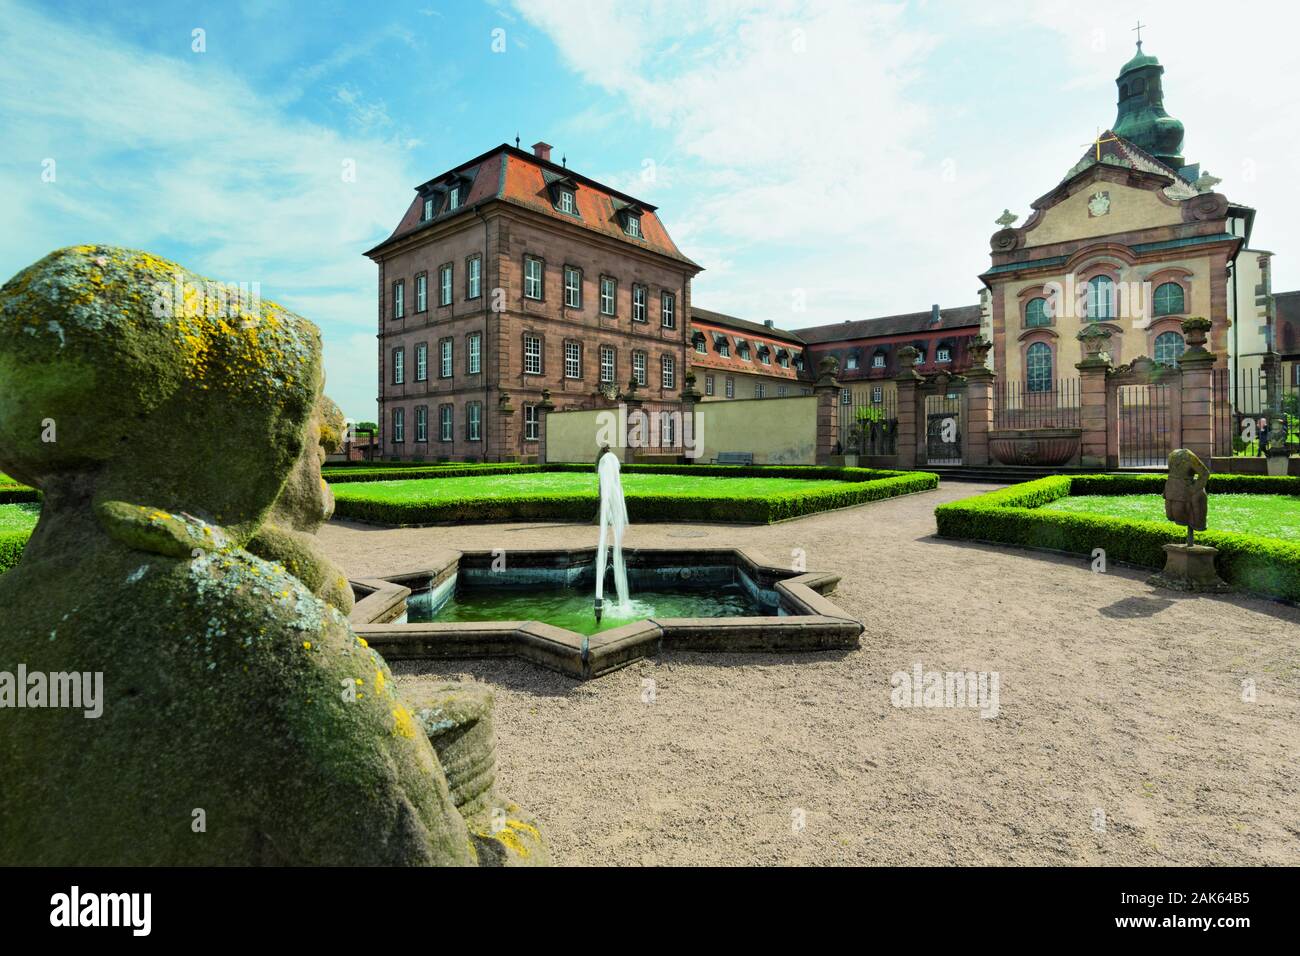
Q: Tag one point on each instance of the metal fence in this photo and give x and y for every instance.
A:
(1016, 406)
(660, 428)
(869, 427)
(1254, 409)
(1146, 425)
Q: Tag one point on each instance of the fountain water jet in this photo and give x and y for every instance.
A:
(612, 518)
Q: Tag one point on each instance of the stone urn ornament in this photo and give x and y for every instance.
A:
(1188, 566)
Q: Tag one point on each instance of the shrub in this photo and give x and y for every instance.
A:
(864, 485)
(11, 548)
(1010, 516)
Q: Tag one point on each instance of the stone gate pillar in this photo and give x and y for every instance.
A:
(827, 391)
(1197, 364)
(907, 382)
(979, 404)
(632, 401)
(1094, 414)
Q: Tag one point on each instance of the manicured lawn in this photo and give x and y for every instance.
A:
(1274, 516)
(19, 517)
(549, 484)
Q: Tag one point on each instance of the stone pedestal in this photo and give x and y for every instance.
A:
(1189, 568)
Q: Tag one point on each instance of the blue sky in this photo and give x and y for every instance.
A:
(822, 160)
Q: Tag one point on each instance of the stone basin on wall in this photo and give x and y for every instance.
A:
(1035, 446)
(788, 609)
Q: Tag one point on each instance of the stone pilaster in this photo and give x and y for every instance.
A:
(979, 404)
(544, 409)
(503, 441)
(827, 390)
(1197, 364)
(1095, 449)
(909, 432)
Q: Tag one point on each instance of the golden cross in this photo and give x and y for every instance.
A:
(1098, 141)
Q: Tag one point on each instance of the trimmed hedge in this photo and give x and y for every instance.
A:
(1253, 563)
(865, 485)
(11, 492)
(11, 548)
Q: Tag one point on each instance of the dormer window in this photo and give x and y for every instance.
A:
(851, 361)
(878, 360)
(566, 201)
(633, 227)
(943, 355)
(428, 208)
(453, 199)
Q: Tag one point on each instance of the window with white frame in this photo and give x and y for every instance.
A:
(608, 289)
(759, 390)
(474, 421)
(638, 303)
(474, 353)
(422, 362)
(572, 287)
(943, 354)
(877, 394)
(422, 292)
(764, 356)
(399, 299)
(399, 425)
(445, 431)
(453, 199)
(668, 310)
(532, 354)
(708, 385)
(444, 285)
(428, 209)
(638, 367)
(444, 358)
(668, 371)
(783, 359)
(724, 348)
(633, 227)
(532, 420)
(422, 423)
(608, 372)
(701, 346)
(851, 361)
(730, 387)
(878, 360)
(399, 365)
(474, 277)
(566, 201)
(572, 360)
(846, 396)
(532, 278)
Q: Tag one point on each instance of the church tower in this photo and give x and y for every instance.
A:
(1142, 119)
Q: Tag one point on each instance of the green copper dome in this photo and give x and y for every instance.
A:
(1142, 119)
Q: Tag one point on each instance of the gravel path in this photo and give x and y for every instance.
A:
(1122, 736)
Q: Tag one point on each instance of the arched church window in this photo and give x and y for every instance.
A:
(1101, 298)
(1036, 313)
(1169, 348)
(1169, 299)
(1038, 367)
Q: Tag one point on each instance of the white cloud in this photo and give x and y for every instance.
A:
(181, 155)
(861, 151)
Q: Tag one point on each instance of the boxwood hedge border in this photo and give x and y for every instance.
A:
(864, 485)
(1269, 567)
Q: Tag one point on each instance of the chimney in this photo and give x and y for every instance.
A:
(768, 323)
(542, 151)
(934, 314)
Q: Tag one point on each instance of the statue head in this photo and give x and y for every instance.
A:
(145, 386)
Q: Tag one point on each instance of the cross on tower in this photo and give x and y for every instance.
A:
(1097, 142)
(1138, 29)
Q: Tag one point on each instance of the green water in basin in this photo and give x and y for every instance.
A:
(572, 609)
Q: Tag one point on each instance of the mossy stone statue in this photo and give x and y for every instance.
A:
(243, 722)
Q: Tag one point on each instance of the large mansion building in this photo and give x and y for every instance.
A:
(513, 284)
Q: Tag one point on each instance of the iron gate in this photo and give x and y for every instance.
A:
(943, 429)
(1145, 426)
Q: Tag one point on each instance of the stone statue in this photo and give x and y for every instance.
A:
(1186, 501)
(1189, 566)
(241, 720)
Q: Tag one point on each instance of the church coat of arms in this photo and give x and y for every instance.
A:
(1098, 204)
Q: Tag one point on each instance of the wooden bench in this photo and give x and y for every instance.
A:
(734, 458)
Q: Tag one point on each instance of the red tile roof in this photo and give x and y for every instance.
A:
(511, 175)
